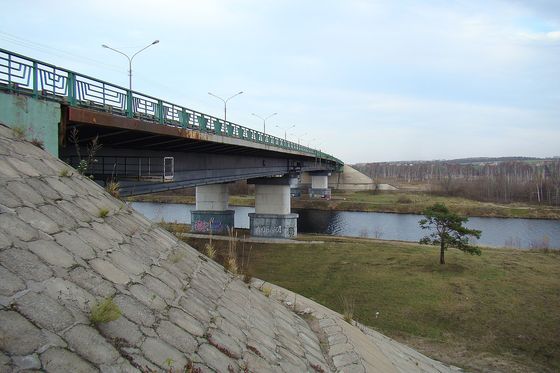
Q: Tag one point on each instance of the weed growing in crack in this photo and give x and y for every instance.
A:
(176, 256)
(113, 188)
(103, 212)
(19, 132)
(347, 309)
(104, 312)
(38, 143)
(65, 172)
(267, 291)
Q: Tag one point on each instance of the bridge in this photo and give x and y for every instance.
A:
(148, 144)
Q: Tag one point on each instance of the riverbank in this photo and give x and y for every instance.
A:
(489, 313)
(392, 202)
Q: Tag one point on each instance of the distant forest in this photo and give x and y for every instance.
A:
(505, 180)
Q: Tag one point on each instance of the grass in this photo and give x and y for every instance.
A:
(348, 306)
(104, 312)
(416, 202)
(113, 188)
(65, 172)
(38, 143)
(475, 312)
(103, 212)
(267, 291)
(19, 132)
(396, 202)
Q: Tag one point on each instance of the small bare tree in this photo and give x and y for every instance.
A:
(92, 149)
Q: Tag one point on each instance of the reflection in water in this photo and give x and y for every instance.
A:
(522, 233)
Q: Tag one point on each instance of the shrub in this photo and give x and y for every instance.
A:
(104, 312)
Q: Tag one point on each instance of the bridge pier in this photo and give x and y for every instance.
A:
(320, 184)
(212, 214)
(272, 217)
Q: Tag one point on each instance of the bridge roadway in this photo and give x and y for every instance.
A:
(133, 153)
(148, 144)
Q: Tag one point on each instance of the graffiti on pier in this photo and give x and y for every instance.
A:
(210, 226)
(274, 231)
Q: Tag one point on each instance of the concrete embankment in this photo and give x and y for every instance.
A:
(67, 247)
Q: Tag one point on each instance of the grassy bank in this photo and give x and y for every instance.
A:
(396, 202)
(496, 312)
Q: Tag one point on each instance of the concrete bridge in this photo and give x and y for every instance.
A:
(150, 145)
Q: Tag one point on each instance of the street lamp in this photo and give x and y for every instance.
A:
(299, 137)
(130, 59)
(225, 102)
(285, 130)
(264, 120)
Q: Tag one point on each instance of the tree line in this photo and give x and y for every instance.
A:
(536, 181)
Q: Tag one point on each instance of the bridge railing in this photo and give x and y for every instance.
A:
(21, 74)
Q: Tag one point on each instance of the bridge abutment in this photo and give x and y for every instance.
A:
(320, 185)
(212, 214)
(272, 217)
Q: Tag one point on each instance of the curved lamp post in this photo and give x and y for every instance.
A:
(130, 59)
(264, 120)
(225, 102)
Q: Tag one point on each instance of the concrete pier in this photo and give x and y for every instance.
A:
(320, 185)
(272, 217)
(212, 214)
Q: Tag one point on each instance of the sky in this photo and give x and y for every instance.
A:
(365, 81)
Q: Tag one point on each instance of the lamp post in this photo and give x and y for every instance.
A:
(285, 130)
(130, 59)
(299, 137)
(264, 120)
(225, 102)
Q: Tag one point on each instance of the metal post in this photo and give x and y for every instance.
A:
(160, 111)
(9, 72)
(35, 82)
(53, 82)
(129, 108)
(71, 82)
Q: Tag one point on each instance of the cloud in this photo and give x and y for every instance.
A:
(552, 37)
(372, 80)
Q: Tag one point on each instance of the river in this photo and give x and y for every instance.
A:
(497, 232)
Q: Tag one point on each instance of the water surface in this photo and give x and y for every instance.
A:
(499, 232)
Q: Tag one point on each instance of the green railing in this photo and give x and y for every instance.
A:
(21, 74)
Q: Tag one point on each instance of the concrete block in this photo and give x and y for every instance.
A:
(215, 222)
(273, 225)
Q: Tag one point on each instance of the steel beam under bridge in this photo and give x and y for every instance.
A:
(134, 152)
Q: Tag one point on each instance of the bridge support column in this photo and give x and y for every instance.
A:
(272, 217)
(212, 214)
(320, 185)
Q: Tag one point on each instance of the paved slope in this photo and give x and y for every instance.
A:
(180, 310)
(58, 258)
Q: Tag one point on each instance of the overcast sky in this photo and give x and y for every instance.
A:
(367, 80)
